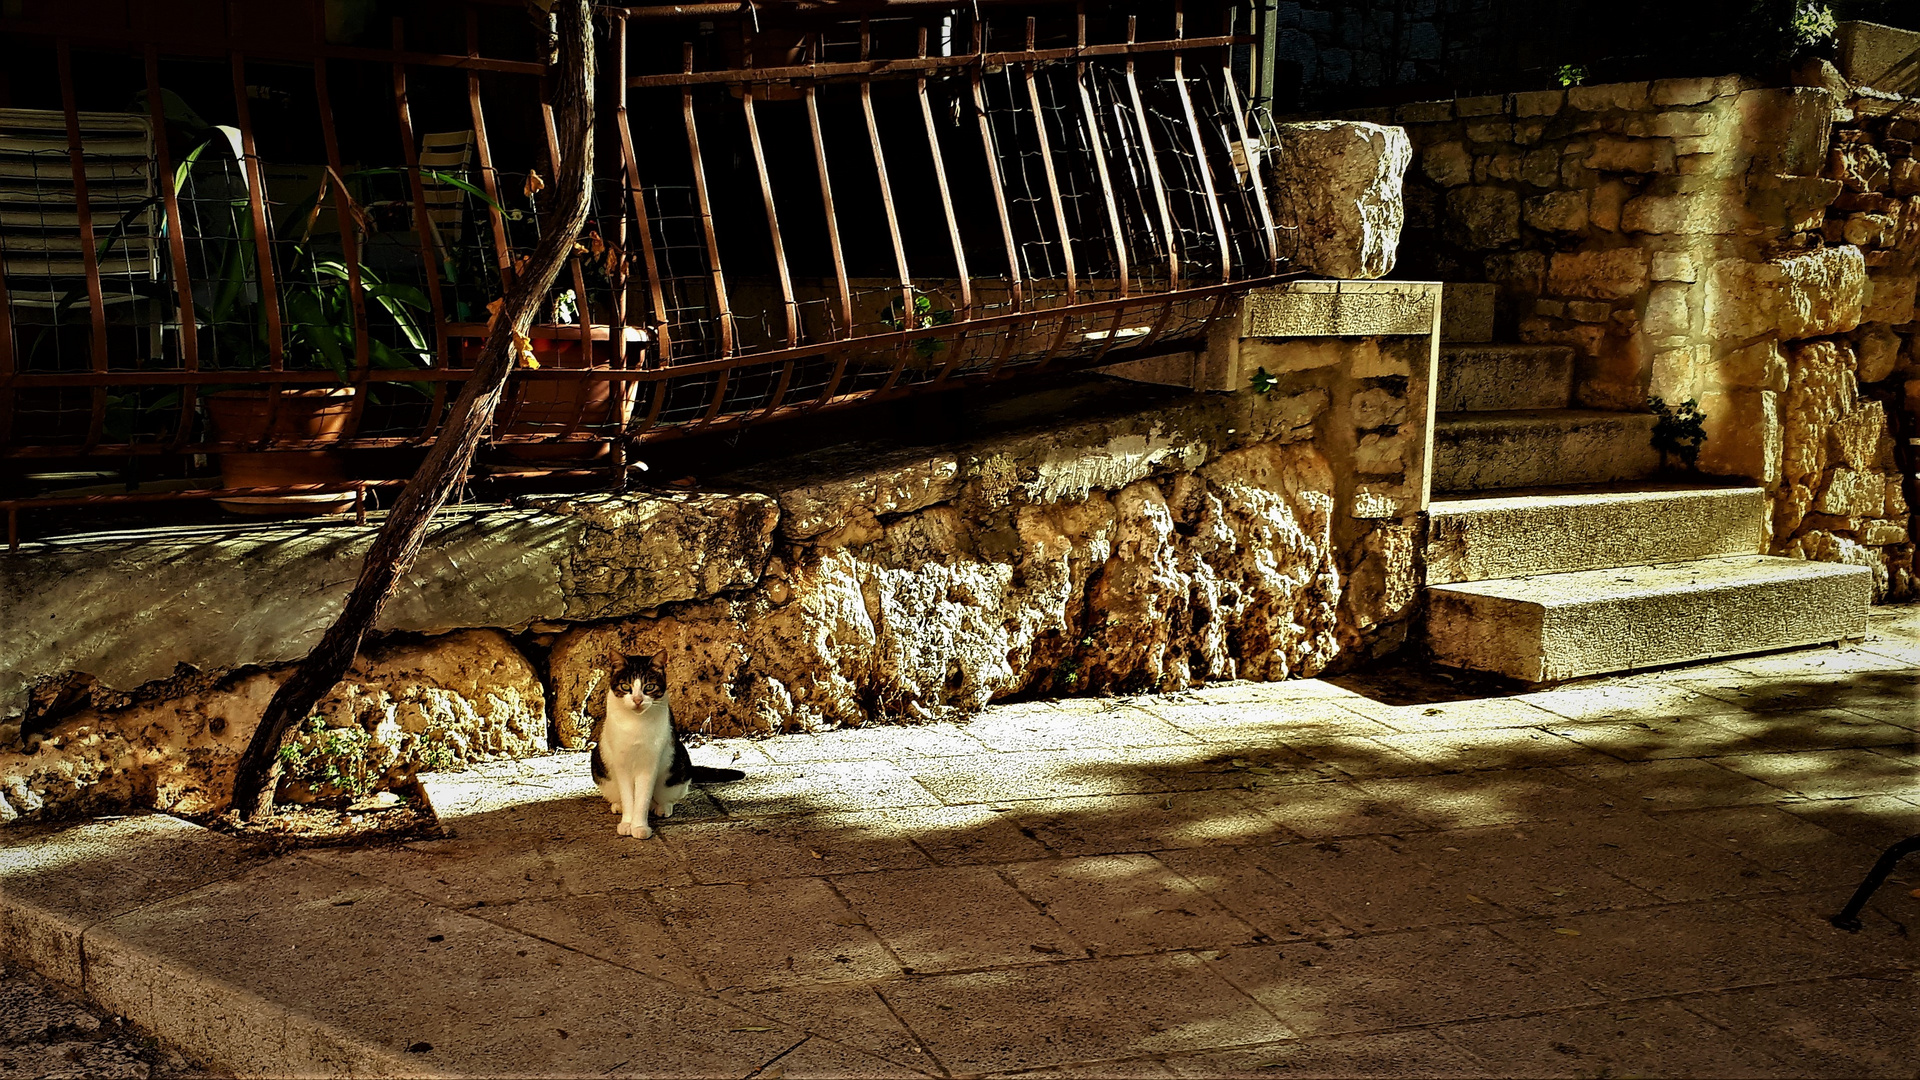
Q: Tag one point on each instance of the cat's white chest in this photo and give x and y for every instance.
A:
(636, 749)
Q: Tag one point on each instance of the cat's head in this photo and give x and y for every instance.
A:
(638, 681)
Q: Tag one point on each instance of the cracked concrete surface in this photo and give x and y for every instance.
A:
(1382, 874)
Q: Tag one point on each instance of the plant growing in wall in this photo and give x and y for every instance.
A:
(1679, 431)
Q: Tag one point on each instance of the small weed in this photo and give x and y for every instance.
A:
(1679, 431)
(330, 758)
(1263, 383)
(1570, 75)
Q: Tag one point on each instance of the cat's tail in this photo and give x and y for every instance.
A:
(705, 774)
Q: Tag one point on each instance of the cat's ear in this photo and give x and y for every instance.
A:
(660, 659)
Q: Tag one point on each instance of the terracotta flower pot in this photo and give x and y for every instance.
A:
(556, 407)
(302, 416)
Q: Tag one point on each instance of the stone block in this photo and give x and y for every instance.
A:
(1589, 311)
(1490, 105)
(1603, 275)
(1674, 266)
(1861, 438)
(1538, 102)
(1497, 378)
(1342, 181)
(1878, 351)
(1759, 366)
(1480, 451)
(1447, 164)
(1378, 407)
(1800, 296)
(1425, 112)
(823, 491)
(1628, 96)
(1342, 309)
(1381, 455)
(1483, 217)
(1608, 199)
(1882, 534)
(1564, 626)
(1676, 373)
(1744, 436)
(1495, 132)
(1280, 356)
(1891, 297)
(1559, 211)
(1667, 311)
(1379, 501)
(1510, 536)
(1684, 124)
(1700, 213)
(1467, 311)
(1682, 91)
(1881, 57)
(1522, 272)
(1785, 129)
(1631, 156)
(1852, 494)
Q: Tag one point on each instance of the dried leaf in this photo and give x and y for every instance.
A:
(534, 185)
(1475, 899)
(1569, 931)
(754, 1029)
(523, 350)
(1050, 950)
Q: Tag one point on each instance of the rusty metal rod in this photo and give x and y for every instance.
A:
(909, 66)
(349, 249)
(1254, 178)
(1098, 150)
(999, 187)
(908, 317)
(94, 36)
(483, 151)
(83, 210)
(705, 206)
(176, 247)
(1053, 181)
(1200, 151)
(946, 199)
(1168, 233)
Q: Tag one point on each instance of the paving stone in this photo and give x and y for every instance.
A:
(1373, 884)
(804, 846)
(1213, 766)
(1527, 870)
(954, 835)
(1466, 715)
(1864, 690)
(1885, 939)
(1488, 798)
(1851, 1026)
(1236, 722)
(1626, 700)
(1121, 904)
(821, 1059)
(1780, 843)
(1676, 783)
(1827, 774)
(886, 742)
(1655, 739)
(73, 1060)
(1398, 980)
(1137, 1069)
(824, 786)
(30, 1012)
(1647, 952)
(1877, 821)
(849, 1015)
(1239, 880)
(1642, 1038)
(1401, 1054)
(495, 869)
(58, 880)
(1105, 824)
(1095, 1010)
(1498, 748)
(1043, 774)
(956, 918)
(234, 971)
(778, 933)
(1844, 659)
(1072, 725)
(1361, 757)
(1323, 811)
(622, 928)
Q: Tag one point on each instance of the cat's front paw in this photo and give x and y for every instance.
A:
(642, 832)
(625, 828)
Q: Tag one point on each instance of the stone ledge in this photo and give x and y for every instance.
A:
(1343, 309)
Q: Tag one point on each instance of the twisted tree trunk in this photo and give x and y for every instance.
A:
(570, 74)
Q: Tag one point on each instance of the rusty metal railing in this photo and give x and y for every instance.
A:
(794, 211)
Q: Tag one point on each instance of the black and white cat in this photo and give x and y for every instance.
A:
(639, 762)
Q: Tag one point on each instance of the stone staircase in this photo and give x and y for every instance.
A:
(1552, 554)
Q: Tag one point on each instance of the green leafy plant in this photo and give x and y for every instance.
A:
(333, 761)
(925, 315)
(1263, 382)
(1812, 26)
(1679, 431)
(1570, 75)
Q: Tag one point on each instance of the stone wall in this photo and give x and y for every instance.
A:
(1097, 536)
(1705, 240)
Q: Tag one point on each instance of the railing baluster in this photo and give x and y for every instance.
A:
(946, 199)
(349, 249)
(1200, 152)
(1167, 230)
(96, 298)
(1053, 181)
(483, 152)
(993, 173)
(256, 180)
(176, 248)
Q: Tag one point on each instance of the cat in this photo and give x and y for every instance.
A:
(639, 761)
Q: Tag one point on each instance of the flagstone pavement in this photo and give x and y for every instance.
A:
(1386, 874)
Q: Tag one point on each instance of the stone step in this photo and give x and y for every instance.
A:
(1474, 539)
(1490, 378)
(1563, 626)
(1541, 448)
(1466, 311)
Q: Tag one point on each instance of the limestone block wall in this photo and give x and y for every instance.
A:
(1749, 248)
(1096, 537)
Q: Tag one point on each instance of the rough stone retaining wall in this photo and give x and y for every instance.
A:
(1746, 247)
(1118, 538)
